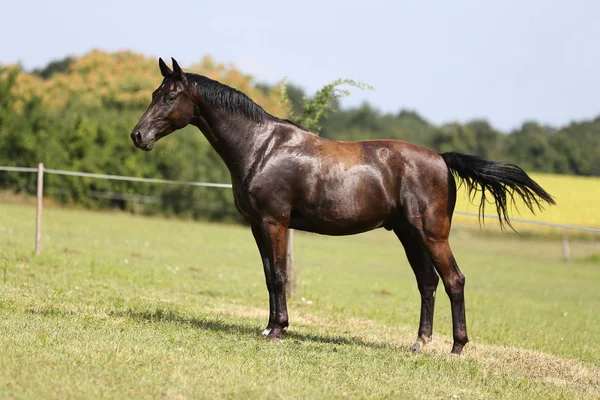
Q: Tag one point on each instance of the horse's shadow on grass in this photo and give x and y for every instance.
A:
(166, 316)
(242, 328)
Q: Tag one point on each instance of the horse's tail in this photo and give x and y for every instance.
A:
(499, 179)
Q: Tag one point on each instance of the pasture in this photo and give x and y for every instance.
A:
(118, 306)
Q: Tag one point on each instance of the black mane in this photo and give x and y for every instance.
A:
(232, 100)
(227, 98)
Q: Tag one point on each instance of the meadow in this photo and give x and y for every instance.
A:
(121, 306)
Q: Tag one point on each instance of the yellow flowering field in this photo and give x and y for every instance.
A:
(577, 198)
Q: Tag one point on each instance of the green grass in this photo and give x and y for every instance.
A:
(129, 307)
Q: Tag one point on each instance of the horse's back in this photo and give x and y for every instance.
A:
(398, 158)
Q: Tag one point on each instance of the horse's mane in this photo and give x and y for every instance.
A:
(226, 98)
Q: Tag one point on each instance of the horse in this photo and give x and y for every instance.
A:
(285, 177)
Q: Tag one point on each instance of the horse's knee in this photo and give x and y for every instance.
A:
(432, 283)
(428, 283)
(279, 283)
(428, 291)
(435, 279)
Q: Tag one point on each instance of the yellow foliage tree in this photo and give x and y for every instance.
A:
(125, 80)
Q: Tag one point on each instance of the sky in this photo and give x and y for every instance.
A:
(506, 61)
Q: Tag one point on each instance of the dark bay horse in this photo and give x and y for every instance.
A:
(284, 177)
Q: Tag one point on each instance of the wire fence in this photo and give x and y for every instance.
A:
(527, 221)
(150, 199)
(130, 178)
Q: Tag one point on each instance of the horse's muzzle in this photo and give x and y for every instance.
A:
(140, 143)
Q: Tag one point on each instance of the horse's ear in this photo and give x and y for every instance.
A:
(177, 72)
(164, 70)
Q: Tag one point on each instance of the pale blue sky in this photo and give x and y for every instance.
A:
(507, 61)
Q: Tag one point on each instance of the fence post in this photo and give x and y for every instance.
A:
(566, 250)
(136, 205)
(292, 271)
(40, 196)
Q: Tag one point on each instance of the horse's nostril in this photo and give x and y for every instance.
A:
(138, 137)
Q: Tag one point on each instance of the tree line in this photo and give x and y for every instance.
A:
(76, 114)
(573, 149)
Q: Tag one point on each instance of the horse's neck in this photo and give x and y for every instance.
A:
(235, 138)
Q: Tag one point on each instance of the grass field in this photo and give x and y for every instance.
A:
(131, 307)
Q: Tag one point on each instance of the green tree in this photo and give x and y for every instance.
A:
(8, 77)
(488, 141)
(454, 137)
(530, 147)
(578, 149)
(54, 67)
(318, 106)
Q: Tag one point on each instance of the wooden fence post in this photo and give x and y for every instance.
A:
(566, 250)
(292, 271)
(40, 197)
(136, 205)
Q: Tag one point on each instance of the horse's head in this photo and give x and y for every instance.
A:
(172, 108)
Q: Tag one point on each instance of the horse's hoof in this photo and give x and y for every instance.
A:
(416, 348)
(273, 338)
(275, 334)
(268, 330)
(457, 349)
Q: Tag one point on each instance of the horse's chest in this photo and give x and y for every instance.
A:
(242, 202)
(263, 197)
(250, 203)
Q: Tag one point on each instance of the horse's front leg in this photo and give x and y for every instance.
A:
(273, 235)
(264, 255)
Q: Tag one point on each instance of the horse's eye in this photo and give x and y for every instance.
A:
(171, 97)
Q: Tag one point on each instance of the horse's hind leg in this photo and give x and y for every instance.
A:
(428, 209)
(454, 283)
(427, 281)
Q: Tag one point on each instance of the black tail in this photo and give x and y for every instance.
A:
(499, 179)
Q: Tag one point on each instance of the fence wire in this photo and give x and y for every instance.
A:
(228, 186)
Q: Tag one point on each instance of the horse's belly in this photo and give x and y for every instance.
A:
(343, 216)
(333, 228)
(349, 202)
